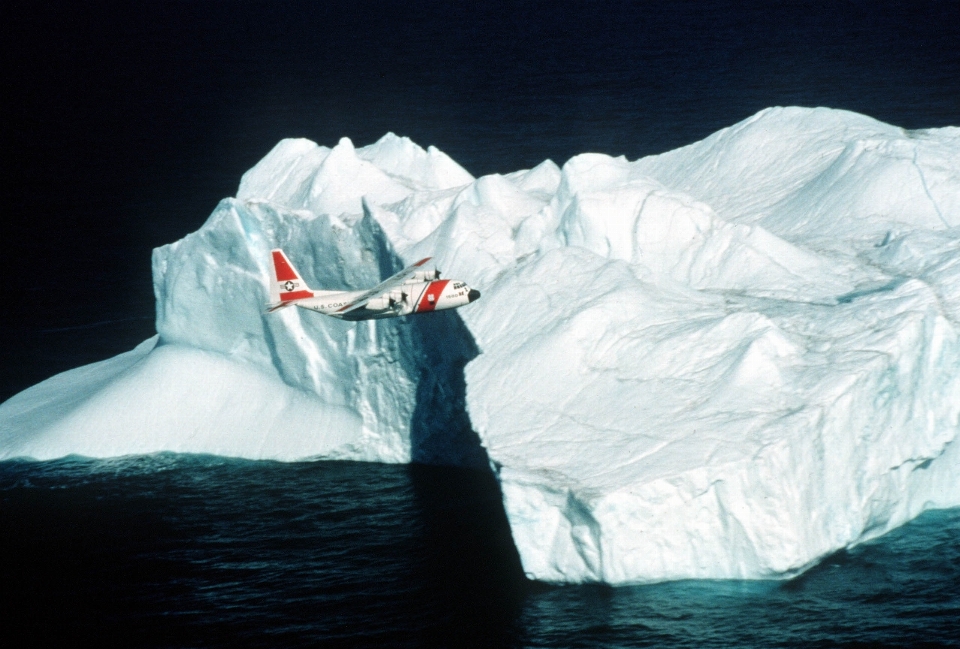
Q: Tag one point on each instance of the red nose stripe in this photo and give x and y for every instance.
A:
(295, 295)
(435, 289)
(282, 268)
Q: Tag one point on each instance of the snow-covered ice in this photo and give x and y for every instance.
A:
(725, 361)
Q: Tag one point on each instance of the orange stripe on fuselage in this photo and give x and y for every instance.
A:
(434, 289)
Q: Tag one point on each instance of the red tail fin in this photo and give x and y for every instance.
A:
(287, 285)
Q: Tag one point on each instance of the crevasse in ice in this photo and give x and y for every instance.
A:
(724, 361)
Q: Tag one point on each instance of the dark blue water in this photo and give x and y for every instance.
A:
(199, 551)
(124, 124)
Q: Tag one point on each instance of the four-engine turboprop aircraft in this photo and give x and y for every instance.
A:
(410, 291)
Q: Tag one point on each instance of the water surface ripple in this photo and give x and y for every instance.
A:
(179, 550)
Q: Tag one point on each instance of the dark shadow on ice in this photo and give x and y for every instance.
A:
(440, 346)
(886, 288)
(460, 495)
(440, 432)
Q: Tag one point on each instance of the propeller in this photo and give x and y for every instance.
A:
(397, 297)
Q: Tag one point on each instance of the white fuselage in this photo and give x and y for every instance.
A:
(412, 290)
(410, 297)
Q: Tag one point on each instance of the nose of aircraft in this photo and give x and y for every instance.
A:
(473, 295)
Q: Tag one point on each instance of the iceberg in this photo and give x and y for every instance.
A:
(724, 361)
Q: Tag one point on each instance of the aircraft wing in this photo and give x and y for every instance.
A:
(385, 286)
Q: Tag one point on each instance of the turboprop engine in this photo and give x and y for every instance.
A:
(423, 276)
(387, 300)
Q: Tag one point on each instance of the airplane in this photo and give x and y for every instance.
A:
(412, 290)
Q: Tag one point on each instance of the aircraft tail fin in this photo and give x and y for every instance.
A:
(287, 285)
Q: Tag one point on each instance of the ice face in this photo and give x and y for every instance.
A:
(724, 361)
(728, 391)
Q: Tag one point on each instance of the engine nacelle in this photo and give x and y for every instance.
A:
(381, 303)
(423, 276)
(387, 301)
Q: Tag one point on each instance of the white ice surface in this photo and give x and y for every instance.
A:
(723, 361)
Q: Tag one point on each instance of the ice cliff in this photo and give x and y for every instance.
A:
(725, 361)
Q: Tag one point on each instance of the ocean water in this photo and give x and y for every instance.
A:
(179, 550)
(127, 122)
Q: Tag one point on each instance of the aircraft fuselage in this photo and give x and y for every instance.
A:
(418, 297)
(410, 291)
